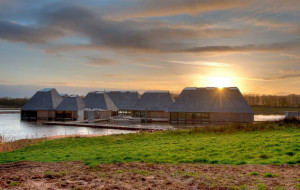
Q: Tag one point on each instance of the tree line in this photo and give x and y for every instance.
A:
(12, 102)
(291, 100)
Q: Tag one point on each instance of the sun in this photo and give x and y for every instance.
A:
(219, 82)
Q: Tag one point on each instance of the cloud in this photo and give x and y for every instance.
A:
(270, 23)
(13, 31)
(156, 8)
(153, 36)
(100, 62)
(148, 65)
(273, 47)
(117, 76)
(200, 63)
(53, 83)
(285, 74)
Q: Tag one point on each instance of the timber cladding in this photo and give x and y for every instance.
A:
(231, 117)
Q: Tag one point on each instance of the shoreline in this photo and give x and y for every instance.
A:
(61, 137)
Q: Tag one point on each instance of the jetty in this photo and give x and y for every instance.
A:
(110, 126)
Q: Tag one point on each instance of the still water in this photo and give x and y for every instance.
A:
(268, 117)
(12, 128)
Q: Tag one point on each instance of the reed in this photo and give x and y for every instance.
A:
(11, 145)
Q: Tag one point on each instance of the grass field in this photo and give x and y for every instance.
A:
(265, 110)
(263, 143)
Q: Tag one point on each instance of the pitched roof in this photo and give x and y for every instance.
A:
(45, 99)
(124, 100)
(71, 103)
(154, 101)
(99, 100)
(210, 99)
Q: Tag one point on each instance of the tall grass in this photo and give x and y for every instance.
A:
(249, 127)
(9, 146)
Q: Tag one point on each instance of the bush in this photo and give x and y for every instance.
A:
(254, 173)
(269, 175)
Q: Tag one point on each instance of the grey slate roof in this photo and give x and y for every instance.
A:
(43, 100)
(99, 100)
(155, 101)
(226, 100)
(71, 103)
(124, 100)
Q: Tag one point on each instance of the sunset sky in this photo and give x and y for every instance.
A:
(79, 46)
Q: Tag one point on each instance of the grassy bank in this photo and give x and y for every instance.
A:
(265, 110)
(262, 143)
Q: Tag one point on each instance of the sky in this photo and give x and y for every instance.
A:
(79, 46)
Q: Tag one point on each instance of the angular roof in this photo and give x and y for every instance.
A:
(210, 99)
(71, 103)
(99, 100)
(43, 100)
(155, 101)
(124, 100)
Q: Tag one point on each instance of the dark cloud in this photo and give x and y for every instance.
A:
(155, 8)
(21, 33)
(158, 8)
(102, 33)
(290, 45)
(63, 20)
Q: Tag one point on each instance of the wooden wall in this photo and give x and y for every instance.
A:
(103, 114)
(158, 114)
(45, 115)
(206, 118)
(231, 117)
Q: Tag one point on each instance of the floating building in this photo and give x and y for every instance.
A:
(42, 105)
(124, 100)
(71, 108)
(210, 105)
(153, 104)
(101, 104)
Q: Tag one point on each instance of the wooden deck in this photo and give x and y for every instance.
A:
(105, 126)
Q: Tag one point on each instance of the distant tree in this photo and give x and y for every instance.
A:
(291, 100)
(12, 102)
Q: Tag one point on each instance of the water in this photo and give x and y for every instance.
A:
(9, 110)
(268, 117)
(12, 128)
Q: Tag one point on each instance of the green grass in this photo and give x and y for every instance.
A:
(254, 173)
(13, 183)
(275, 143)
(269, 175)
(267, 110)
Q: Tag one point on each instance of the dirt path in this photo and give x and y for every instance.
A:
(76, 175)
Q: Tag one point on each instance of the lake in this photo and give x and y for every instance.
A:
(12, 128)
(268, 117)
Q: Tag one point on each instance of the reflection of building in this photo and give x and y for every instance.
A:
(71, 108)
(124, 100)
(210, 105)
(42, 105)
(153, 104)
(292, 114)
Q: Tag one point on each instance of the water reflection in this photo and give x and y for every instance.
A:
(268, 117)
(12, 128)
